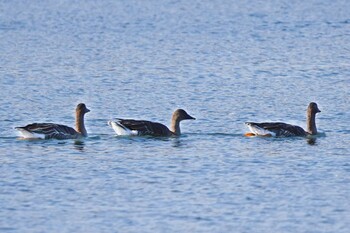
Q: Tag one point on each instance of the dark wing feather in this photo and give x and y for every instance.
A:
(51, 130)
(146, 127)
(282, 129)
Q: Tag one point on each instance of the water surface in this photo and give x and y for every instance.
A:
(225, 62)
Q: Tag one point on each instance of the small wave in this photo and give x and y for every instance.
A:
(216, 134)
(13, 137)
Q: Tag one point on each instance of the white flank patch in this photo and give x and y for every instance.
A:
(260, 131)
(121, 131)
(28, 135)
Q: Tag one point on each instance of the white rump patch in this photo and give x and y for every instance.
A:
(260, 131)
(121, 130)
(28, 135)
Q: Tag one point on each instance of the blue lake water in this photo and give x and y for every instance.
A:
(224, 62)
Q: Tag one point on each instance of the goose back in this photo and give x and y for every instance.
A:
(143, 127)
(50, 130)
(277, 129)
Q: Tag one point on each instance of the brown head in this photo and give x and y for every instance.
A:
(313, 109)
(181, 114)
(82, 109)
(178, 116)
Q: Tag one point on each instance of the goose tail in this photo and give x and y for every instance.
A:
(25, 134)
(256, 129)
(120, 129)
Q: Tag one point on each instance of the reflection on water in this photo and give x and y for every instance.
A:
(176, 142)
(311, 141)
(79, 145)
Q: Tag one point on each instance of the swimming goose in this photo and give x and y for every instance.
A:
(279, 129)
(51, 130)
(129, 127)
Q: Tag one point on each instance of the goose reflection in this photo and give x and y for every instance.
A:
(311, 141)
(79, 145)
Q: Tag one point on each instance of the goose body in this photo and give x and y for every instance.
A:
(131, 127)
(275, 129)
(56, 131)
(280, 129)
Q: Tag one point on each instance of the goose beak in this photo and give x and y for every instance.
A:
(87, 110)
(190, 117)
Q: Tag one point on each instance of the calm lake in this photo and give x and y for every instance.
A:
(224, 62)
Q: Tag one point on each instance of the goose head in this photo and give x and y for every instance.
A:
(82, 109)
(313, 108)
(181, 114)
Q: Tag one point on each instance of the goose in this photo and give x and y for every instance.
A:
(130, 127)
(57, 131)
(280, 129)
